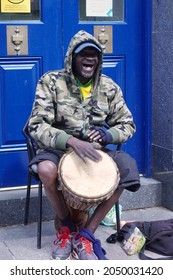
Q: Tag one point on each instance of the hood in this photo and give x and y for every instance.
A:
(77, 39)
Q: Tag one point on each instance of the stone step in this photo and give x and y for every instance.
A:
(12, 202)
(149, 195)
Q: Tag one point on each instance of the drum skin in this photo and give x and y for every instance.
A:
(85, 185)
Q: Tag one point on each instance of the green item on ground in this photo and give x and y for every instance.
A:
(110, 219)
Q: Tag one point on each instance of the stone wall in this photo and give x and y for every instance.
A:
(162, 98)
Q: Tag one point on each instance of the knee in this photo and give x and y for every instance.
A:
(47, 171)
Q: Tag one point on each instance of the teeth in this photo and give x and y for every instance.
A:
(88, 67)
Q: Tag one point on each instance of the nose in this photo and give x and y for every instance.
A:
(91, 56)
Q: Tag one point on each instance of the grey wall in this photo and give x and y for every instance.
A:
(162, 100)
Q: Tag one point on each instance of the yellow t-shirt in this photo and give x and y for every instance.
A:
(85, 89)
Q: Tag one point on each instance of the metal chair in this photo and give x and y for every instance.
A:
(31, 149)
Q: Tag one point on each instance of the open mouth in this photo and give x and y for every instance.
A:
(88, 67)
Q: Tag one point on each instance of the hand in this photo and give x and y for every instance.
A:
(98, 134)
(85, 149)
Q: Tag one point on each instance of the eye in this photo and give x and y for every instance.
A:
(82, 54)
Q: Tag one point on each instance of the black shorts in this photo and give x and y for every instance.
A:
(52, 155)
(129, 175)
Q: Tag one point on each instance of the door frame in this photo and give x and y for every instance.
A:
(147, 18)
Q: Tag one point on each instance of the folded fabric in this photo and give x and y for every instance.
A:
(129, 174)
(98, 250)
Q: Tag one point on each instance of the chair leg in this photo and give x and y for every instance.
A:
(113, 237)
(27, 200)
(39, 215)
(117, 216)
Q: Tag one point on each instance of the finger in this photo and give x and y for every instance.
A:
(84, 159)
(91, 132)
(94, 155)
(82, 156)
(96, 145)
(96, 159)
(95, 136)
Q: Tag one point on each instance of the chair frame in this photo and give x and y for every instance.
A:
(31, 150)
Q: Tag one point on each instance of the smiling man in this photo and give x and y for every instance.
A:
(78, 108)
(85, 61)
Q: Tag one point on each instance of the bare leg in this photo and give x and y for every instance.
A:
(48, 173)
(101, 211)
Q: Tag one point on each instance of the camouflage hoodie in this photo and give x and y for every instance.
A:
(59, 112)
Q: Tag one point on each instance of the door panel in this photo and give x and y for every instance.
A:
(125, 63)
(18, 77)
(17, 94)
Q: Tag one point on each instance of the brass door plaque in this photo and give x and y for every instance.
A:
(104, 35)
(17, 40)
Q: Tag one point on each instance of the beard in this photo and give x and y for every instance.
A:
(87, 75)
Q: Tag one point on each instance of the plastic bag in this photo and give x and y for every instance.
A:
(110, 218)
(134, 241)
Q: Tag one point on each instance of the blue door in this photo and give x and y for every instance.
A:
(34, 37)
(127, 24)
(30, 44)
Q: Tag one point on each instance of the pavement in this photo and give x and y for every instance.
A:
(18, 242)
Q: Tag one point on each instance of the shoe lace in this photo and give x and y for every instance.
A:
(87, 245)
(61, 237)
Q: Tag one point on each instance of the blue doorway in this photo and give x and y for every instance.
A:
(49, 28)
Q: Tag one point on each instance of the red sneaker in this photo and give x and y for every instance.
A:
(83, 248)
(62, 245)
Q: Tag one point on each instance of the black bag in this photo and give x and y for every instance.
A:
(159, 237)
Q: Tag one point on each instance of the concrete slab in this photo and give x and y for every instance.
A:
(5, 253)
(19, 242)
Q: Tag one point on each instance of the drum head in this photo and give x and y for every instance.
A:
(89, 180)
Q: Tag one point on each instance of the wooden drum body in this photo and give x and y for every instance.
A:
(85, 185)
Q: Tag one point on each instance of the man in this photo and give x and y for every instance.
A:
(81, 109)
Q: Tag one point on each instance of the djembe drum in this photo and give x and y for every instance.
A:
(85, 185)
